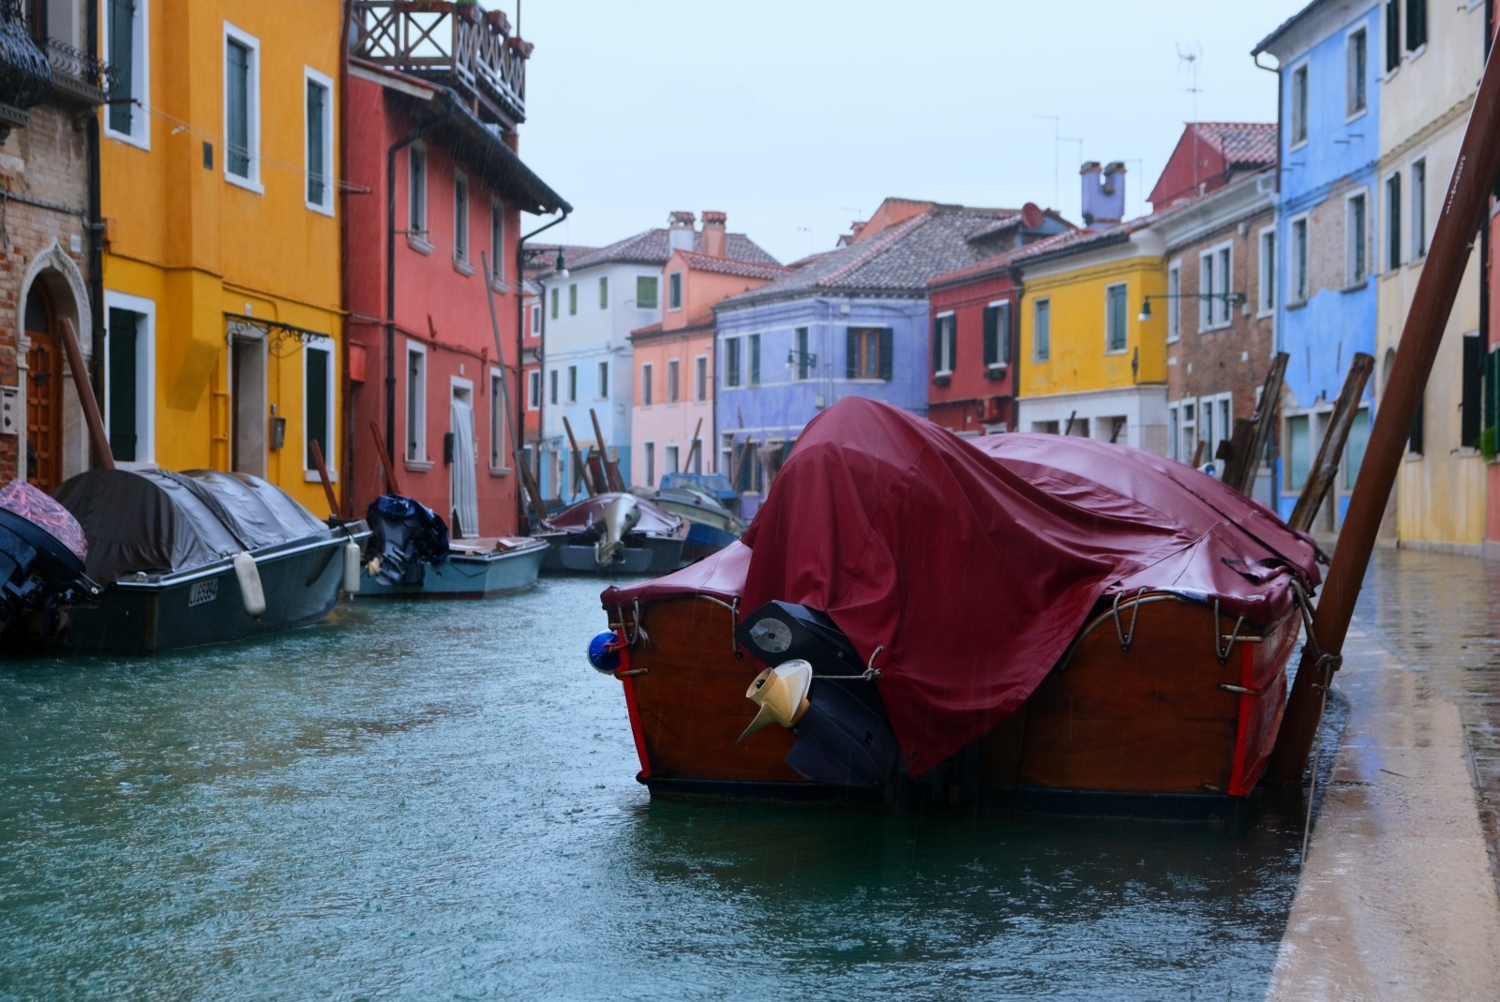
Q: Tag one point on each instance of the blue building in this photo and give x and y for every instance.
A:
(1328, 58)
(852, 321)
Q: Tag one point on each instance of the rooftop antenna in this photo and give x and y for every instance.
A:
(1191, 53)
(1056, 163)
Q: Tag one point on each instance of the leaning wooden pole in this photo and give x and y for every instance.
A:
(693, 449)
(1463, 212)
(1326, 466)
(86, 400)
(1240, 473)
(583, 470)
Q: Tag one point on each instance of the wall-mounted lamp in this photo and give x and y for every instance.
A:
(1231, 299)
(530, 254)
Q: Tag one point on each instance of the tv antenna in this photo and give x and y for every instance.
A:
(1190, 56)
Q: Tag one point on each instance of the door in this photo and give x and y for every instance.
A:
(463, 485)
(248, 394)
(43, 394)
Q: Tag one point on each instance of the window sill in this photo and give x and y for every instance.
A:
(1294, 147)
(996, 371)
(499, 471)
(1216, 327)
(1265, 314)
(1412, 457)
(1116, 351)
(498, 285)
(942, 379)
(1356, 286)
(311, 477)
(249, 184)
(1296, 304)
(1355, 116)
(1418, 262)
(417, 244)
(418, 465)
(322, 210)
(1412, 55)
(139, 142)
(463, 267)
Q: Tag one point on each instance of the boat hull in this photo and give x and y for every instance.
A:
(1157, 727)
(467, 575)
(301, 581)
(642, 555)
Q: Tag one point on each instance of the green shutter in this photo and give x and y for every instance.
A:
(851, 340)
(754, 359)
(1492, 389)
(317, 167)
(887, 347)
(991, 335)
(121, 64)
(1002, 333)
(1471, 416)
(1415, 443)
(237, 108)
(122, 385)
(317, 404)
(937, 344)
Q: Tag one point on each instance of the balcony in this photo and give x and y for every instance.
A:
(459, 45)
(77, 77)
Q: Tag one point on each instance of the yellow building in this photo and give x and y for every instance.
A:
(222, 264)
(1088, 365)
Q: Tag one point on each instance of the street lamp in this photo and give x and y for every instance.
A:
(1231, 300)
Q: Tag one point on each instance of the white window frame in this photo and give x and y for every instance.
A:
(674, 382)
(1221, 408)
(1039, 306)
(700, 378)
(801, 343)
(1002, 333)
(572, 397)
(1124, 317)
(602, 374)
(312, 76)
(671, 459)
(1174, 301)
(1265, 282)
(1174, 419)
(252, 109)
(1187, 429)
(1297, 115)
(945, 342)
(140, 125)
(648, 448)
(416, 414)
(499, 421)
(1350, 279)
(536, 318)
(648, 394)
(730, 350)
(418, 230)
(674, 292)
(1387, 265)
(463, 211)
(497, 243)
(1418, 213)
(145, 360)
(1216, 272)
(1350, 114)
(534, 389)
(1298, 259)
(330, 450)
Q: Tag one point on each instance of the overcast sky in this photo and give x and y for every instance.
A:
(798, 116)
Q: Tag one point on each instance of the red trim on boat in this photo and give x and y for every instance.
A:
(1248, 709)
(631, 707)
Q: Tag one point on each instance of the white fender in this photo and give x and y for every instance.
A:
(251, 591)
(351, 567)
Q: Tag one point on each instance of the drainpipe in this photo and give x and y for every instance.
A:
(541, 413)
(346, 385)
(390, 271)
(1019, 288)
(95, 225)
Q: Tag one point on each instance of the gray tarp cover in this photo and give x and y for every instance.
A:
(157, 522)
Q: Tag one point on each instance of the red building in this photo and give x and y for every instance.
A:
(974, 332)
(432, 238)
(1210, 155)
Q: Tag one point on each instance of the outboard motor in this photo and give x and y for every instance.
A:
(612, 523)
(818, 689)
(406, 537)
(42, 553)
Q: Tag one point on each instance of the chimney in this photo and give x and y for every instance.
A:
(715, 236)
(680, 232)
(1103, 194)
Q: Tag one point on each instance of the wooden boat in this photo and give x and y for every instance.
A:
(613, 534)
(1024, 621)
(42, 552)
(711, 526)
(409, 555)
(194, 558)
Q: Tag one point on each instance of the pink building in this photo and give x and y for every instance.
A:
(672, 421)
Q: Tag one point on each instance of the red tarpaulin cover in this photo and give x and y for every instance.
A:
(974, 563)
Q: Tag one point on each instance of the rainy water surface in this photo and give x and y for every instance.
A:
(437, 801)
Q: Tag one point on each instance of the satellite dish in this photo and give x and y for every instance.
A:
(1031, 215)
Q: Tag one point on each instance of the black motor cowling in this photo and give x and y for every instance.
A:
(42, 552)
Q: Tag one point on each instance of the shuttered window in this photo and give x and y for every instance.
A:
(123, 384)
(319, 130)
(241, 106)
(122, 26)
(1042, 329)
(944, 343)
(731, 361)
(319, 410)
(997, 335)
(1114, 318)
(753, 342)
(1471, 415)
(868, 352)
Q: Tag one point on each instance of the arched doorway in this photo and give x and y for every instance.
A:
(44, 392)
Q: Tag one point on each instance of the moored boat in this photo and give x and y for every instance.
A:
(711, 526)
(1030, 621)
(42, 553)
(410, 555)
(614, 534)
(194, 558)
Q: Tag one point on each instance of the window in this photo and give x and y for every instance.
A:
(319, 165)
(1392, 34)
(695, 454)
(603, 292)
(944, 343)
(497, 244)
(1216, 423)
(1416, 24)
(753, 344)
(700, 378)
(1418, 209)
(671, 459)
(731, 361)
(317, 408)
(241, 107)
(125, 44)
(1298, 450)
(1356, 65)
(1299, 105)
(1174, 293)
(1214, 268)
(645, 292)
(673, 383)
(1114, 318)
(1297, 265)
(497, 421)
(1393, 221)
(554, 304)
(1471, 414)
(1354, 446)
(573, 299)
(800, 339)
(552, 386)
(1188, 448)
(869, 351)
(674, 291)
(996, 335)
(648, 375)
(1265, 300)
(650, 450)
(1042, 329)
(603, 380)
(1356, 265)
(572, 384)
(416, 403)
(129, 377)
(536, 320)
(460, 217)
(416, 190)
(534, 390)
(1174, 447)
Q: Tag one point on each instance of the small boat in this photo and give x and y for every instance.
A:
(715, 485)
(613, 534)
(711, 526)
(1030, 622)
(198, 557)
(42, 553)
(410, 555)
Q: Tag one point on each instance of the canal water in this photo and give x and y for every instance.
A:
(437, 801)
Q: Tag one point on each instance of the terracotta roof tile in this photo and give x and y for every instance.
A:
(653, 247)
(729, 266)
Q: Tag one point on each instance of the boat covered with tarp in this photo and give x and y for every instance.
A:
(197, 557)
(1015, 620)
(613, 534)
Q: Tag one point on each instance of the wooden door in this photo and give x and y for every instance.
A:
(44, 433)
